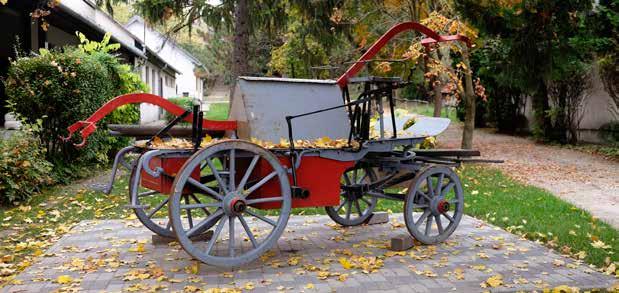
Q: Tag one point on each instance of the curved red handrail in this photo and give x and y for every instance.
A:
(88, 126)
(385, 38)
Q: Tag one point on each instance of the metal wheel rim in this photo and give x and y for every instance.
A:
(365, 203)
(221, 217)
(429, 218)
(144, 217)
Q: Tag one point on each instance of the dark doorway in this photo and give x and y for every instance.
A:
(14, 35)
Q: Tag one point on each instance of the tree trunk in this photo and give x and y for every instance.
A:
(240, 50)
(469, 98)
(541, 107)
(438, 98)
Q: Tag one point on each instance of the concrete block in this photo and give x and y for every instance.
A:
(401, 242)
(378, 218)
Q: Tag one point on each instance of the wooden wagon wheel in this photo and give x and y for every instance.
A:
(142, 198)
(233, 201)
(434, 204)
(356, 206)
(148, 204)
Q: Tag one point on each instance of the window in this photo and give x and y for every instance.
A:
(153, 83)
(147, 76)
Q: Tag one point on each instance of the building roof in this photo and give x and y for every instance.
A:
(168, 41)
(88, 12)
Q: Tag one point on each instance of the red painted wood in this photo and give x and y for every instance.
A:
(385, 38)
(320, 176)
(88, 126)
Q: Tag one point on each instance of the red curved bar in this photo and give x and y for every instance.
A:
(384, 39)
(451, 38)
(89, 125)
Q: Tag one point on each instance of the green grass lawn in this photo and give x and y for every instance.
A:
(428, 110)
(29, 229)
(217, 111)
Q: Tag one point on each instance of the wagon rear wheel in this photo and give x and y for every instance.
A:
(242, 231)
(355, 205)
(434, 204)
(149, 205)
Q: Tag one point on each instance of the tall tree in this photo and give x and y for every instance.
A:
(539, 36)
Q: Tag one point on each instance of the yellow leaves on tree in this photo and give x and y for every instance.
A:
(444, 25)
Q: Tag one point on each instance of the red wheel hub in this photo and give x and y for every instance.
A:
(443, 206)
(238, 205)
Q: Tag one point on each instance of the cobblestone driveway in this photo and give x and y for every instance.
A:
(310, 256)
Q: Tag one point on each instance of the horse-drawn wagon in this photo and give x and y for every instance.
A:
(239, 189)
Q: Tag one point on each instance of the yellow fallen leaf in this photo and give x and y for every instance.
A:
(342, 277)
(345, 263)
(139, 248)
(494, 281)
(64, 279)
(249, 286)
(564, 289)
(309, 286)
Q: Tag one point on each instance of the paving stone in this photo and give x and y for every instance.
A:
(401, 242)
(311, 238)
(378, 218)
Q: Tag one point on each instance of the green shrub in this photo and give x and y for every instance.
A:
(184, 102)
(64, 86)
(23, 168)
(609, 132)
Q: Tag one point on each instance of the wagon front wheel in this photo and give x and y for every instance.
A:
(356, 206)
(242, 231)
(434, 204)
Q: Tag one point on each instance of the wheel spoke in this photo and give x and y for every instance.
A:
(341, 205)
(354, 176)
(424, 195)
(248, 172)
(261, 200)
(220, 227)
(422, 217)
(189, 218)
(201, 206)
(430, 187)
(232, 170)
(347, 179)
(439, 184)
(348, 209)
(358, 207)
(429, 225)
(248, 231)
(259, 183)
(366, 201)
(363, 178)
(451, 220)
(158, 207)
(220, 181)
(204, 188)
(147, 193)
(421, 206)
(447, 188)
(199, 202)
(261, 217)
(203, 223)
(439, 224)
(231, 234)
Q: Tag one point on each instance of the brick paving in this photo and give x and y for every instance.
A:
(106, 256)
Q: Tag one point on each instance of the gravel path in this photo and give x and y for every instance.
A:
(588, 181)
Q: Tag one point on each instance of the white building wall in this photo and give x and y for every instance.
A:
(159, 83)
(186, 81)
